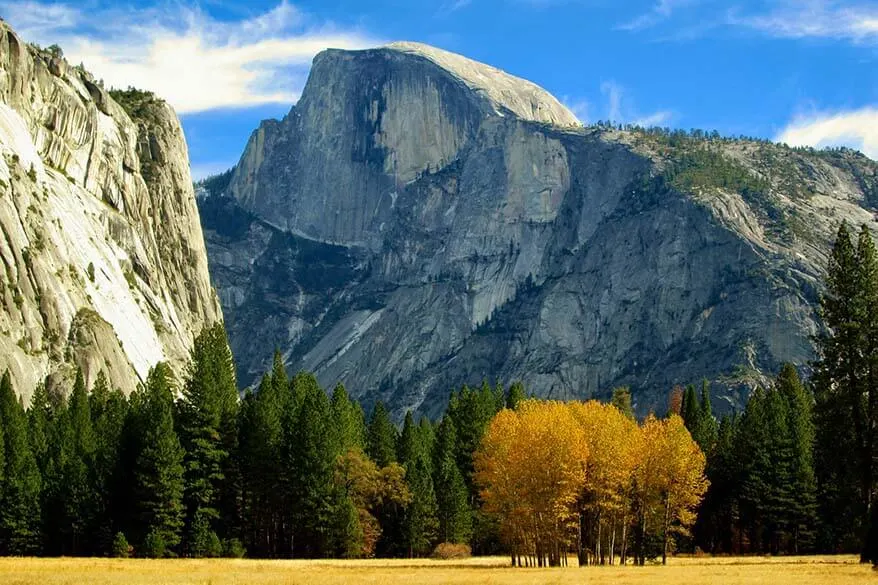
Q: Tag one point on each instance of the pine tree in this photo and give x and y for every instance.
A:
(314, 450)
(80, 502)
(348, 417)
(159, 466)
(261, 442)
(845, 390)
(691, 411)
(208, 419)
(409, 448)
(109, 410)
(421, 516)
(515, 395)
(38, 419)
(452, 495)
(20, 488)
(622, 400)
(381, 437)
(707, 428)
(803, 513)
(420, 521)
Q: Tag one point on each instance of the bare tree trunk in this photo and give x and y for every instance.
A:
(613, 539)
(623, 554)
(665, 530)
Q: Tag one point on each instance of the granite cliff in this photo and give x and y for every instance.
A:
(419, 221)
(104, 265)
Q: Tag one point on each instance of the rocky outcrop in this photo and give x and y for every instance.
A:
(419, 221)
(104, 265)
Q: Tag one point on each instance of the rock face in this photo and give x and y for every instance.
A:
(104, 265)
(419, 221)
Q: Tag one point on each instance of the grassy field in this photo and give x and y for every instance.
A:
(494, 571)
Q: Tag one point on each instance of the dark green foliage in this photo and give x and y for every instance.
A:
(622, 401)
(109, 411)
(421, 517)
(233, 549)
(697, 168)
(154, 546)
(312, 449)
(208, 432)
(381, 437)
(349, 422)
(216, 185)
(20, 479)
(846, 392)
(137, 104)
(515, 395)
(159, 466)
(120, 549)
(452, 495)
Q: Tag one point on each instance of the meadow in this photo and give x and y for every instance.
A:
(835, 570)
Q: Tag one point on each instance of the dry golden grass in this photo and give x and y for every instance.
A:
(486, 571)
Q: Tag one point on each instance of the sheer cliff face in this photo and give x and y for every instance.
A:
(419, 221)
(104, 264)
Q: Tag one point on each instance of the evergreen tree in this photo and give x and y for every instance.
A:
(261, 442)
(706, 428)
(845, 389)
(159, 466)
(452, 495)
(622, 400)
(803, 513)
(421, 516)
(767, 499)
(314, 450)
(20, 487)
(208, 413)
(381, 437)
(348, 417)
(515, 395)
(78, 493)
(38, 419)
(691, 410)
(109, 410)
(409, 441)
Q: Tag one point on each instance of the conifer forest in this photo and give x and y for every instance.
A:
(191, 465)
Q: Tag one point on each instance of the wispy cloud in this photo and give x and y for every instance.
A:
(191, 59)
(581, 108)
(662, 10)
(856, 128)
(798, 19)
(621, 111)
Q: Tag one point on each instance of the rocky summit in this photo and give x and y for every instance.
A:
(104, 266)
(419, 221)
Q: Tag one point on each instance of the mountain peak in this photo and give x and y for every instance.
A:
(506, 92)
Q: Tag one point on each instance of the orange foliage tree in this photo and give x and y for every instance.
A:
(530, 467)
(554, 474)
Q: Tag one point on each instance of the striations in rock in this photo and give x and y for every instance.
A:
(419, 221)
(104, 265)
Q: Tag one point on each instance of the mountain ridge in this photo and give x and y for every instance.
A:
(104, 262)
(476, 245)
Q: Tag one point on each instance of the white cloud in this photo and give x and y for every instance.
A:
(662, 10)
(659, 118)
(620, 110)
(580, 108)
(614, 92)
(857, 129)
(798, 19)
(192, 60)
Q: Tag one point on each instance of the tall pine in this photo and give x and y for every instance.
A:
(159, 466)
(19, 480)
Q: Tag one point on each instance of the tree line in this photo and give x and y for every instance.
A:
(194, 467)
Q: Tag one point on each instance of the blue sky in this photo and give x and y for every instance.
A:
(801, 71)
